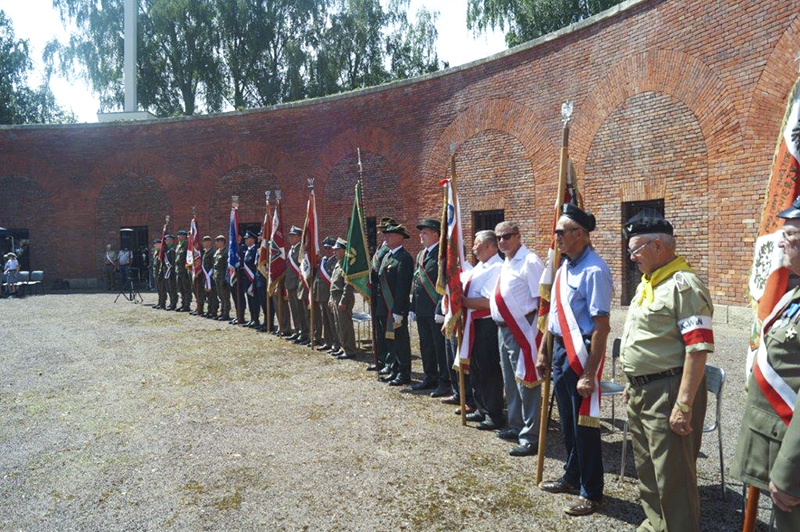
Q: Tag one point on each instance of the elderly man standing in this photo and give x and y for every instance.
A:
(292, 282)
(666, 340)
(342, 300)
(579, 323)
(110, 267)
(518, 289)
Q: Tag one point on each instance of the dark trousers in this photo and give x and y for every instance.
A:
(398, 355)
(450, 347)
(239, 298)
(382, 344)
(486, 374)
(584, 465)
(253, 303)
(434, 356)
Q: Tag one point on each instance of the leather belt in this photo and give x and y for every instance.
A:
(527, 317)
(641, 380)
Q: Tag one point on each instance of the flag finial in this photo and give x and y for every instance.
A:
(267, 194)
(194, 211)
(360, 168)
(235, 202)
(566, 112)
(311, 184)
(277, 195)
(167, 219)
(452, 148)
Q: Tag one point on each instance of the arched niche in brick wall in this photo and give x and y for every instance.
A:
(382, 196)
(650, 148)
(130, 199)
(494, 173)
(24, 205)
(249, 183)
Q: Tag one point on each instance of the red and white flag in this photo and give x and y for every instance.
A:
(277, 250)
(451, 259)
(263, 249)
(309, 248)
(194, 260)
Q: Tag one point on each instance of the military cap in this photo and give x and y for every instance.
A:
(206, 238)
(584, 218)
(387, 221)
(793, 212)
(340, 243)
(295, 230)
(328, 242)
(170, 235)
(182, 232)
(221, 237)
(430, 223)
(250, 234)
(645, 222)
(398, 229)
(157, 241)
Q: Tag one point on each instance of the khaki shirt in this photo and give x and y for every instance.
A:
(678, 321)
(341, 290)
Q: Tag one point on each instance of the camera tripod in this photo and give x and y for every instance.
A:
(130, 292)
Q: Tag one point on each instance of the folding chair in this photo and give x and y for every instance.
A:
(37, 281)
(715, 378)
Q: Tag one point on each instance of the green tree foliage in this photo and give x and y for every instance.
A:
(19, 103)
(523, 20)
(201, 56)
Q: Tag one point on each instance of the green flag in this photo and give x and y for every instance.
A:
(356, 258)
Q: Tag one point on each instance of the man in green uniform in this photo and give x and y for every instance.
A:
(293, 285)
(665, 343)
(158, 275)
(220, 278)
(325, 336)
(169, 271)
(395, 276)
(341, 304)
(204, 283)
(375, 265)
(768, 451)
(182, 277)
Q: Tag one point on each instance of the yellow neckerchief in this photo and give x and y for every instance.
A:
(678, 264)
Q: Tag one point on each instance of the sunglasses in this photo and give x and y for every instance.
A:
(562, 232)
(506, 236)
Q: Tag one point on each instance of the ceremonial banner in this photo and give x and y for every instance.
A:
(194, 260)
(309, 248)
(356, 258)
(451, 258)
(768, 278)
(277, 251)
(233, 246)
(263, 249)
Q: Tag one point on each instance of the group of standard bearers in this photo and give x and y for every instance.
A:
(666, 341)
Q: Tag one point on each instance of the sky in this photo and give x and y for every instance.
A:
(39, 22)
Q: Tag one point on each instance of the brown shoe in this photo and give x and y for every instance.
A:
(583, 507)
(452, 400)
(557, 486)
(467, 408)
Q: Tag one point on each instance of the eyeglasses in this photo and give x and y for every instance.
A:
(786, 235)
(507, 236)
(561, 232)
(638, 250)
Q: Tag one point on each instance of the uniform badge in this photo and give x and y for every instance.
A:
(791, 334)
(681, 281)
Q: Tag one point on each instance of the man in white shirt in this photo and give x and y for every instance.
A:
(124, 259)
(10, 272)
(514, 302)
(110, 267)
(486, 376)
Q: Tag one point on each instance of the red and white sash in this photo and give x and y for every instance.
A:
(527, 336)
(293, 264)
(207, 277)
(577, 355)
(324, 273)
(250, 277)
(468, 337)
(779, 394)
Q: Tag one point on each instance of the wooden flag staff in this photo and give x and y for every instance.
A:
(267, 302)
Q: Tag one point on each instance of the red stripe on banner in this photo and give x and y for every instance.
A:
(699, 336)
(572, 353)
(777, 402)
(531, 374)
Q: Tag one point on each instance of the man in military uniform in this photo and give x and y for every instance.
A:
(768, 451)
(322, 291)
(342, 301)
(293, 283)
(248, 278)
(158, 275)
(665, 343)
(425, 301)
(375, 265)
(206, 288)
(395, 276)
(220, 278)
(182, 276)
(169, 272)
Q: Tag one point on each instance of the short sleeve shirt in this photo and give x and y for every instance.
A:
(657, 337)
(483, 278)
(521, 275)
(589, 291)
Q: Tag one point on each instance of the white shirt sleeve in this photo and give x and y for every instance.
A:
(534, 268)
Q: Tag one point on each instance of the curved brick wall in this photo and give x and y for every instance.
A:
(677, 100)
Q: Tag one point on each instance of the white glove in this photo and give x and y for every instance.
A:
(412, 316)
(438, 318)
(397, 318)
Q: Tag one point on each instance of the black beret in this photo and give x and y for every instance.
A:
(645, 222)
(793, 212)
(430, 223)
(328, 242)
(182, 232)
(584, 218)
(250, 234)
(295, 230)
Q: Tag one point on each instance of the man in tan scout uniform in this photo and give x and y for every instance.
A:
(221, 278)
(768, 451)
(341, 302)
(327, 338)
(158, 275)
(665, 343)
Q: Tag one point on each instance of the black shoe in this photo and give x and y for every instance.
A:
(384, 371)
(324, 347)
(475, 416)
(400, 381)
(508, 434)
(441, 392)
(292, 337)
(170, 308)
(345, 356)
(180, 309)
(525, 448)
(389, 377)
(300, 340)
(193, 313)
(254, 325)
(262, 328)
(488, 424)
(424, 385)
(374, 367)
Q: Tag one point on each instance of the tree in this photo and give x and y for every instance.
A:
(529, 19)
(19, 103)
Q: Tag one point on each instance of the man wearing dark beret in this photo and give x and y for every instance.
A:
(665, 343)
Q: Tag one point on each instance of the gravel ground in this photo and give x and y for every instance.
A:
(121, 417)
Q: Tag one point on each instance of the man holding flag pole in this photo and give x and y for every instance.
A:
(263, 269)
(234, 259)
(309, 253)
(277, 269)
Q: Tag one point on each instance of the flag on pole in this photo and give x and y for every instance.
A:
(233, 245)
(277, 250)
(161, 250)
(194, 260)
(263, 249)
(356, 258)
(309, 248)
(769, 279)
(451, 257)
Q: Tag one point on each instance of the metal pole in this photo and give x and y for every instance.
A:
(267, 302)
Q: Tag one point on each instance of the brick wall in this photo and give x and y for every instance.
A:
(677, 100)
